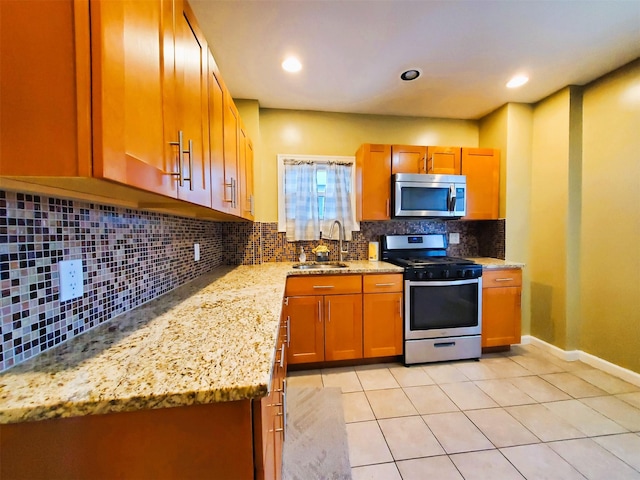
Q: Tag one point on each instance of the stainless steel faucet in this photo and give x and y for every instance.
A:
(340, 238)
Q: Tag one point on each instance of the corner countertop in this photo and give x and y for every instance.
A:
(496, 263)
(210, 340)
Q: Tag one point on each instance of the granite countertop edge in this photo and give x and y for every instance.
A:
(490, 263)
(210, 340)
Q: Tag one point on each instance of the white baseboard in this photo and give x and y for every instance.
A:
(572, 355)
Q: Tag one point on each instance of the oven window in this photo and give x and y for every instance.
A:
(435, 307)
(421, 198)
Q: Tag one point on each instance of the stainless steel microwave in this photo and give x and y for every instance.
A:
(424, 195)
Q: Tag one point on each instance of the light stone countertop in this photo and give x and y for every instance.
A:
(211, 340)
(496, 263)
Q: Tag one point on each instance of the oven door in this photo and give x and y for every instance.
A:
(443, 308)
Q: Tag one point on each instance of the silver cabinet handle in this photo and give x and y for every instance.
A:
(400, 308)
(284, 407)
(425, 164)
(282, 356)
(251, 205)
(328, 310)
(288, 330)
(190, 152)
(323, 286)
(234, 192)
(504, 279)
(388, 207)
(232, 186)
(319, 310)
(385, 284)
(180, 159)
(181, 152)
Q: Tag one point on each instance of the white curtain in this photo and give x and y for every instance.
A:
(337, 202)
(301, 201)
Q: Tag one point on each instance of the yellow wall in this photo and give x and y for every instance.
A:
(549, 213)
(510, 128)
(610, 235)
(320, 133)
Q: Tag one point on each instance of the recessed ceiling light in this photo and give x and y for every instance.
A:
(517, 81)
(292, 64)
(410, 75)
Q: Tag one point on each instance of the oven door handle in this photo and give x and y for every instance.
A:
(442, 283)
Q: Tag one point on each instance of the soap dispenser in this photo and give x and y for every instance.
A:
(303, 256)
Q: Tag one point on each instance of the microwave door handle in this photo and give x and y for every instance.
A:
(452, 198)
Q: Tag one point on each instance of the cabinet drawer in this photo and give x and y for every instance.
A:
(511, 277)
(324, 285)
(391, 282)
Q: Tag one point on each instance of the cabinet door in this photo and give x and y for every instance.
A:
(382, 324)
(443, 160)
(501, 311)
(280, 418)
(343, 326)
(216, 137)
(482, 168)
(266, 437)
(131, 49)
(408, 159)
(246, 176)
(192, 114)
(306, 329)
(501, 316)
(231, 155)
(373, 182)
(45, 96)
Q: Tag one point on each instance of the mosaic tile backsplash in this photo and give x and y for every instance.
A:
(131, 257)
(261, 242)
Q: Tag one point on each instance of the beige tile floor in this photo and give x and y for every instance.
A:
(513, 415)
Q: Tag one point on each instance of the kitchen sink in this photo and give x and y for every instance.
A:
(319, 265)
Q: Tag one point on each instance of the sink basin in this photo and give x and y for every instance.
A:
(319, 265)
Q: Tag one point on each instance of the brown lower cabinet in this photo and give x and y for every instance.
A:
(501, 307)
(382, 318)
(329, 318)
(240, 440)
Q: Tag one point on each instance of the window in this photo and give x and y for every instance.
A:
(313, 191)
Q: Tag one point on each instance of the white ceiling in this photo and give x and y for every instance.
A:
(353, 51)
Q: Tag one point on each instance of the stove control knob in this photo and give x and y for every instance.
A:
(460, 274)
(429, 274)
(469, 273)
(420, 275)
(446, 274)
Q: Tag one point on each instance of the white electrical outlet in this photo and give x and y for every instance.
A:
(454, 238)
(196, 252)
(71, 282)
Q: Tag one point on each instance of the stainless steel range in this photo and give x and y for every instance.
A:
(442, 299)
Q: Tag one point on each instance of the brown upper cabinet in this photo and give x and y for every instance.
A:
(373, 182)
(432, 160)
(408, 159)
(443, 160)
(107, 100)
(375, 164)
(247, 199)
(482, 168)
(191, 120)
(231, 151)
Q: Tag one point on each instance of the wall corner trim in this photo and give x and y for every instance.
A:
(596, 362)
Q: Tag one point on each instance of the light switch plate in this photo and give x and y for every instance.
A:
(196, 252)
(71, 282)
(454, 238)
